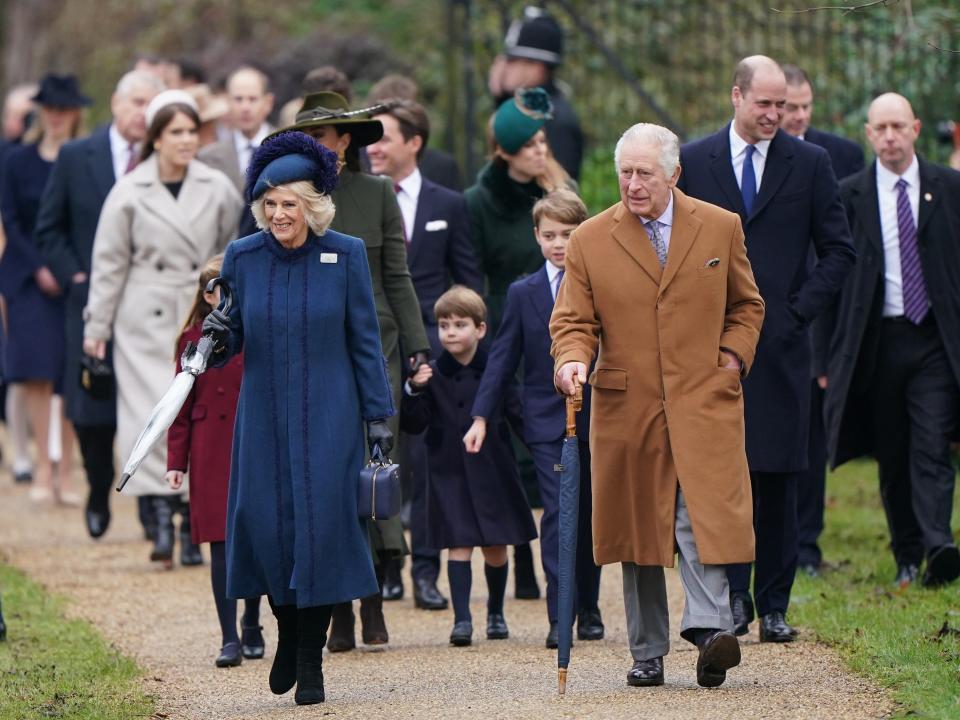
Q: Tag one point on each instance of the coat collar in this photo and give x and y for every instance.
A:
(866, 204)
(930, 195)
(628, 231)
(179, 213)
(542, 294)
(100, 158)
(420, 218)
(509, 198)
(449, 367)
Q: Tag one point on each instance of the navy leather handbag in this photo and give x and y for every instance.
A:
(378, 496)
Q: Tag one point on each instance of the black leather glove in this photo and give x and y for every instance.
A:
(418, 359)
(217, 326)
(378, 434)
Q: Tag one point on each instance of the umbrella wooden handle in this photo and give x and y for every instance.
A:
(574, 405)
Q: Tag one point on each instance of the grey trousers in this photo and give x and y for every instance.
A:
(645, 596)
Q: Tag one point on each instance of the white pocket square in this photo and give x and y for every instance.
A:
(435, 225)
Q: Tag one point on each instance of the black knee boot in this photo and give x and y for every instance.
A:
(3, 625)
(373, 626)
(283, 674)
(189, 551)
(163, 538)
(311, 636)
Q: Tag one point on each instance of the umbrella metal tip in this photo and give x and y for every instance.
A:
(123, 481)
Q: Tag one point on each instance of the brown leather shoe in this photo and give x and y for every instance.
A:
(373, 626)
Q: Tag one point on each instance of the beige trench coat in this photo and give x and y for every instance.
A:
(664, 410)
(147, 256)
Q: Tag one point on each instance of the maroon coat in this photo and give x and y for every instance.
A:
(200, 440)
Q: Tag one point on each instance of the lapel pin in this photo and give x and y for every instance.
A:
(712, 263)
(928, 197)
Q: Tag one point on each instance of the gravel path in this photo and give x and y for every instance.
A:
(166, 621)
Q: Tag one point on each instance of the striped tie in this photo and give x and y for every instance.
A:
(916, 303)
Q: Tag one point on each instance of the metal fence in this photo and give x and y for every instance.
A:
(671, 61)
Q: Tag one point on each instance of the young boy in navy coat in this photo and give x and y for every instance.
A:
(473, 499)
(524, 334)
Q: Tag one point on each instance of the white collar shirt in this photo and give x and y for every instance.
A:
(245, 146)
(890, 232)
(408, 196)
(738, 152)
(120, 152)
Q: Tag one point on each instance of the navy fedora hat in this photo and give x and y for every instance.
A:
(60, 91)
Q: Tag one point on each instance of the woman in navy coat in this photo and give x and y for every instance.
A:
(303, 314)
(34, 352)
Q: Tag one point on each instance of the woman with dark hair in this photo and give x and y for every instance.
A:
(34, 349)
(303, 314)
(158, 226)
(367, 208)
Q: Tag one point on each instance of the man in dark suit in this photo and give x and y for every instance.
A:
(787, 197)
(251, 102)
(847, 159)
(439, 253)
(524, 336)
(894, 367)
(84, 173)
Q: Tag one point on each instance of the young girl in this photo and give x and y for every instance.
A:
(201, 439)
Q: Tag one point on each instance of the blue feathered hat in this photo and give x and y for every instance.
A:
(288, 157)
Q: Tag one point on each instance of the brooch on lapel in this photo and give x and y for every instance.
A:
(328, 258)
(713, 262)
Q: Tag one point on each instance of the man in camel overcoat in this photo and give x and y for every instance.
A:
(658, 290)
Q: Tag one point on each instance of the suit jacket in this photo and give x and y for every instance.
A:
(664, 407)
(440, 252)
(223, 157)
(798, 205)
(66, 224)
(855, 336)
(524, 334)
(847, 159)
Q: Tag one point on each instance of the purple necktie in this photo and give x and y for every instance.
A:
(915, 300)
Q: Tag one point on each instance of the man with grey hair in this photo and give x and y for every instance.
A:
(82, 176)
(664, 280)
(787, 197)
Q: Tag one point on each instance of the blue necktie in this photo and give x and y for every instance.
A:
(748, 183)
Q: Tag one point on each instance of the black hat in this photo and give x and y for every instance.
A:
(60, 91)
(536, 37)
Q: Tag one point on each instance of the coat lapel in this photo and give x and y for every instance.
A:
(420, 217)
(778, 165)
(100, 157)
(157, 200)
(722, 168)
(930, 192)
(867, 207)
(629, 232)
(542, 295)
(682, 235)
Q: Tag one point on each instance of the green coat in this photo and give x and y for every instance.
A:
(501, 227)
(367, 208)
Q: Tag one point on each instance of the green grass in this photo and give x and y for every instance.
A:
(892, 637)
(52, 667)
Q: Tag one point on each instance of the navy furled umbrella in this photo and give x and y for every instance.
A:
(569, 520)
(194, 362)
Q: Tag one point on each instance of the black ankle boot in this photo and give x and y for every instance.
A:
(342, 636)
(3, 625)
(163, 538)
(283, 674)
(312, 635)
(189, 551)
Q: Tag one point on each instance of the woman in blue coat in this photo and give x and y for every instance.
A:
(303, 313)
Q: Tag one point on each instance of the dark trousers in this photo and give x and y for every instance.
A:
(96, 446)
(916, 404)
(812, 486)
(545, 457)
(426, 560)
(775, 528)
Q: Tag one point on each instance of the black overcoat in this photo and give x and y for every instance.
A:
(855, 338)
(473, 500)
(798, 206)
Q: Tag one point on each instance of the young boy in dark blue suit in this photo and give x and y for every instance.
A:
(524, 334)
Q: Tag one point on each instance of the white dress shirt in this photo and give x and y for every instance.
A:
(120, 152)
(665, 223)
(408, 196)
(553, 277)
(245, 146)
(890, 231)
(738, 151)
